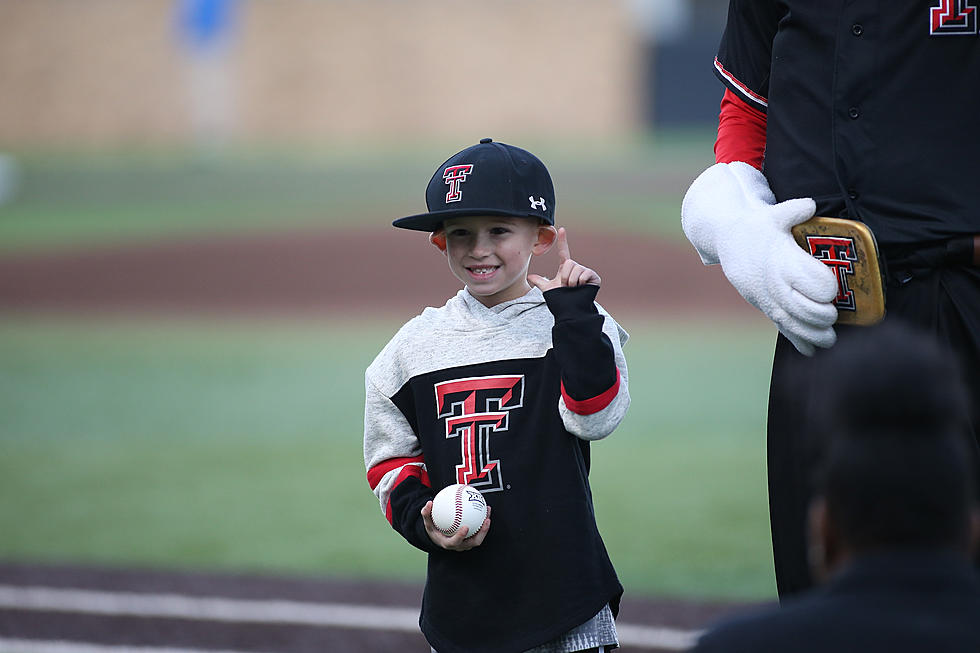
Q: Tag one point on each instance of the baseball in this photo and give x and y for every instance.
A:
(456, 506)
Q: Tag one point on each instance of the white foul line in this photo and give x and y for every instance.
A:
(253, 611)
(208, 609)
(58, 646)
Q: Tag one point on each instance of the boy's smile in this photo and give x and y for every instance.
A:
(491, 254)
(483, 273)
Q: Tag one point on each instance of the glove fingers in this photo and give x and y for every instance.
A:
(809, 277)
(804, 309)
(786, 215)
(807, 291)
(805, 336)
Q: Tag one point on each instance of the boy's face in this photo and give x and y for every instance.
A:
(491, 254)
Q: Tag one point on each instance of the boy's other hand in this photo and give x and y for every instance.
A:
(569, 274)
(459, 541)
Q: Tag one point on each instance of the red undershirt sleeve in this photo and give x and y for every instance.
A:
(741, 132)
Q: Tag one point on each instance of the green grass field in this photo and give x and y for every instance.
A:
(237, 445)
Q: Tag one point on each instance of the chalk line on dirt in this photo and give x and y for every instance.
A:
(176, 606)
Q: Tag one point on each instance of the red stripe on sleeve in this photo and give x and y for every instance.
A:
(593, 405)
(408, 471)
(741, 132)
(376, 473)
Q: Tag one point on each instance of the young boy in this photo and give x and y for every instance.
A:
(502, 388)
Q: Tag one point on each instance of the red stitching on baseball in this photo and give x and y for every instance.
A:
(459, 509)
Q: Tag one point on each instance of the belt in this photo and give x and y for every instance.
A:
(906, 262)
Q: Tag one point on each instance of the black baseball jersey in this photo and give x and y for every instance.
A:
(871, 110)
(505, 399)
(872, 107)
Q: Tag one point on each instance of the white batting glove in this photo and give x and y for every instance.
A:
(731, 217)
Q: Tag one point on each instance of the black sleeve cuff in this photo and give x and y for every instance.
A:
(584, 353)
(568, 303)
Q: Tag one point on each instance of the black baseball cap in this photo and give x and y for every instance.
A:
(486, 179)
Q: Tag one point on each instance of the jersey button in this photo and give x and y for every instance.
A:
(857, 29)
(853, 112)
(853, 194)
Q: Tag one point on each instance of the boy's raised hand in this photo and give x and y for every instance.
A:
(569, 273)
(459, 541)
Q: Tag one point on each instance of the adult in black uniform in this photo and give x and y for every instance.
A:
(894, 514)
(862, 110)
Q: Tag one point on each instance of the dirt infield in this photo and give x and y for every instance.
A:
(352, 274)
(70, 609)
(349, 273)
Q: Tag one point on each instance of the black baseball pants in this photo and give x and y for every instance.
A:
(942, 300)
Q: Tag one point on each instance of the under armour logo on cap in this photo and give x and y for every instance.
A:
(538, 204)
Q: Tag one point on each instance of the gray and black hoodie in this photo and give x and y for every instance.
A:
(506, 399)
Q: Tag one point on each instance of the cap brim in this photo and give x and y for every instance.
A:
(432, 221)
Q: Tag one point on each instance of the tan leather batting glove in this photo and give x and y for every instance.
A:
(731, 217)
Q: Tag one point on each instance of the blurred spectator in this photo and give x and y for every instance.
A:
(205, 30)
(893, 521)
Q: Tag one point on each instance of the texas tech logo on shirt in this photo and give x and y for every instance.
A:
(454, 176)
(840, 255)
(953, 17)
(475, 410)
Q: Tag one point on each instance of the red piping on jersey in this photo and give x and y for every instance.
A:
(593, 405)
(741, 132)
(745, 90)
(376, 473)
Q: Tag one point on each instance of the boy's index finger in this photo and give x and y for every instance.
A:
(564, 253)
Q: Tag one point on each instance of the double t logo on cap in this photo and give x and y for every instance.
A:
(454, 176)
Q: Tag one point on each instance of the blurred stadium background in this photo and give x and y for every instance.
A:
(196, 266)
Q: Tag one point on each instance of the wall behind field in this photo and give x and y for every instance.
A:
(107, 72)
